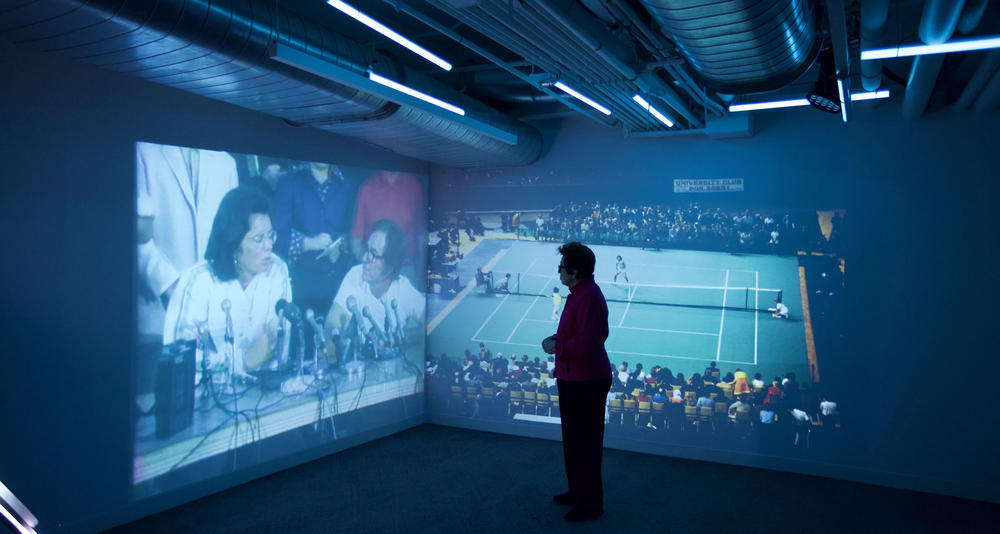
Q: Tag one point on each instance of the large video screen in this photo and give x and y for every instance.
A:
(723, 317)
(280, 307)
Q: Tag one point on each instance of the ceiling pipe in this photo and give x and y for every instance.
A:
(444, 30)
(582, 26)
(990, 97)
(874, 18)
(983, 74)
(939, 20)
(937, 24)
(972, 14)
(657, 45)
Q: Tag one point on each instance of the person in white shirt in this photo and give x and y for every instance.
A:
(827, 407)
(232, 295)
(377, 289)
(779, 311)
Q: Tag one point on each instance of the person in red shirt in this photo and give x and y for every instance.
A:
(396, 196)
(583, 377)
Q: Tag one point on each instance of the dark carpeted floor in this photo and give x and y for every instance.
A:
(435, 479)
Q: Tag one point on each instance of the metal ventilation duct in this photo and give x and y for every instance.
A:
(220, 50)
(741, 46)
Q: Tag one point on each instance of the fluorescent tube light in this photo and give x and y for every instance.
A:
(753, 106)
(582, 98)
(770, 105)
(964, 45)
(352, 12)
(414, 93)
(870, 96)
(653, 111)
(843, 103)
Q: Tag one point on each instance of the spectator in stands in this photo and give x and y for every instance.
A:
(660, 397)
(774, 393)
(704, 401)
(711, 370)
(695, 384)
(800, 423)
(678, 397)
(737, 407)
(758, 382)
(638, 375)
(679, 380)
(550, 365)
(827, 408)
(740, 384)
(767, 414)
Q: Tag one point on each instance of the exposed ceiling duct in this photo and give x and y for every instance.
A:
(741, 46)
(220, 50)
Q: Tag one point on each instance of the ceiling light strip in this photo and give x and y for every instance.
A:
(653, 111)
(797, 102)
(964, 45)
(352, 77)
(414, 93)
(353, 12)
(843, 102)
(570, 91)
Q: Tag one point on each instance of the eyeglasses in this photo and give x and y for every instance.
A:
(370, 252)
(259, 238)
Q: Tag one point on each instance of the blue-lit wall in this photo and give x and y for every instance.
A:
(921, 238)
(67, 157)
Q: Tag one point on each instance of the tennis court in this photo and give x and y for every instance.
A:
(680, 309)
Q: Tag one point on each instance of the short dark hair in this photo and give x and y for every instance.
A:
(395, 245)
(578, 257)
(230, 226)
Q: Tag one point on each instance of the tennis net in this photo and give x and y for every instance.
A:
(695, 296)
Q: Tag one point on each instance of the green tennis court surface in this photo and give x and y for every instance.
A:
(680, 309)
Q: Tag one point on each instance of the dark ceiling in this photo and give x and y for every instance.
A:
(690, 59)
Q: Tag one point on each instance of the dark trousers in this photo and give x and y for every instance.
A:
(581, 405)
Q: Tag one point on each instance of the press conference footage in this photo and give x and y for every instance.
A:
(278, 308)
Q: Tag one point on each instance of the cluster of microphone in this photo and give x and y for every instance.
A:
(363, 338)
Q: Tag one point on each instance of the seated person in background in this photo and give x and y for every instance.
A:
(767, 414)
(774, 392)
(738, 407)
(704, 401)
(740, 383)
(678, 397)
(483, 279)
(780, 311)
(239, 283)
(503, 286)
(758, 382)
(660, 397)
(378, 286)
(827, 408)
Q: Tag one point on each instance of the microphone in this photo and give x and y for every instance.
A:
(399, 324)
(288, 310)
(317, 328)
(352, 306)
(227, 306)
(367, 312)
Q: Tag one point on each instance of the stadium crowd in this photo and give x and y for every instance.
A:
(692, 226)
(655, 401)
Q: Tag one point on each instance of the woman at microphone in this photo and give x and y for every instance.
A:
(232, 294)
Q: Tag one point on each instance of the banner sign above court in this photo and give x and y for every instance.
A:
(709, 185)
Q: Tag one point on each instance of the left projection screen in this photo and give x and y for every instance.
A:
(279, 309)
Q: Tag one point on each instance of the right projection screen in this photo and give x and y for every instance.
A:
(723, 316)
